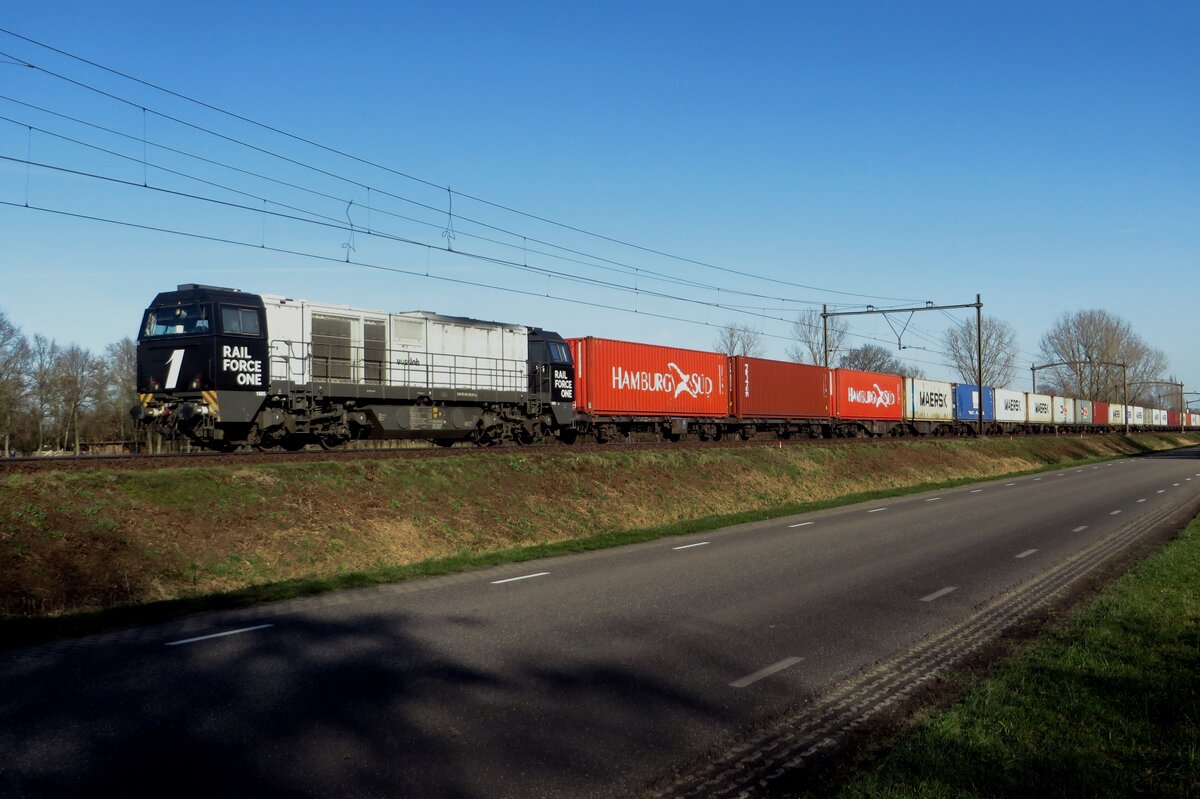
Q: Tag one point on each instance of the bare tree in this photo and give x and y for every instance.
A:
(43, 387)
(874, 358)
(738, 339)
(77, 372)
(999, 351)
(14, 354)
(1089, 342)
(809, 332)
(118, 390)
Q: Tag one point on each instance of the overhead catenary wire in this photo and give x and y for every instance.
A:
(367, 162)
(596, 263)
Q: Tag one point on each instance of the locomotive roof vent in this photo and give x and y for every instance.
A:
(195, 286)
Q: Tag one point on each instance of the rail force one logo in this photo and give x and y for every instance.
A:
(876, 396)
(237, 360)
(675, 382)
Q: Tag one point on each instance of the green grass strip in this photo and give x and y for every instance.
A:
(1107, 705)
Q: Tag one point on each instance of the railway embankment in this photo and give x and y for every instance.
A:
(77, 542)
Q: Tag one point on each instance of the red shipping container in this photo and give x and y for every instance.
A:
(765, 389)
(1173, 418)
(1099, 413)
(622, 378)
(866, 395)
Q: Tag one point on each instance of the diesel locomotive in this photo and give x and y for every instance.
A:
(225, 368)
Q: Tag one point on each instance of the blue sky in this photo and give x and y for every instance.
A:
(1041, 155)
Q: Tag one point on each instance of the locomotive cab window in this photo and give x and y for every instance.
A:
(178, 320)
(559, 352)
(240, 321)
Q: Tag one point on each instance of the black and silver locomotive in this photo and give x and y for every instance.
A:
(225, 368)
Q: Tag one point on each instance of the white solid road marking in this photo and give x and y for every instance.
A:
(937, 594)
(1080, 528)
(218, 635)
(774, 668)
(876, 510)
(801, 524)
(524, 577)
(1026, 553)
(689, 546)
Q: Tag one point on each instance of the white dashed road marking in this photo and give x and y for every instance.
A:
(876, 510)
(524, 577)
(1113, 512)
(938, 594)
(218, 635)
(1080, 528)
(801, 524)
(689, 546)
(1026, 553)
(774, 668)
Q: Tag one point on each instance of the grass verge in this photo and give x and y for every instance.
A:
(1106, 705)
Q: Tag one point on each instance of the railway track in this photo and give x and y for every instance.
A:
(122, 462)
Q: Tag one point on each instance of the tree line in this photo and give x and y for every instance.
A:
(61, 397)
(1083, 352)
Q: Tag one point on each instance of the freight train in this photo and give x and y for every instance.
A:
(226, 369)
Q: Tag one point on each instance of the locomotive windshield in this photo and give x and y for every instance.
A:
(178, 320)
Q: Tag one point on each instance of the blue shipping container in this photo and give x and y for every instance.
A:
(966, 403)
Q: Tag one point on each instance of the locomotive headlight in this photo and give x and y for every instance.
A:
(196, 382)
(154, 384)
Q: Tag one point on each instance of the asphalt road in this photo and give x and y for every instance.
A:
(588, 675)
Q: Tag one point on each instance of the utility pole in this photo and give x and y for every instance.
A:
(929, 306)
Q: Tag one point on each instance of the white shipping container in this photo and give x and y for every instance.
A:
(929, 400)
(1158, 418)
(1064, 410)
(1137, 415)
(1010, 405)
(1040, 408)
(1115, 414)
